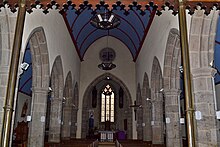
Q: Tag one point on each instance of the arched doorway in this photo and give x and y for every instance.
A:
(123, 117)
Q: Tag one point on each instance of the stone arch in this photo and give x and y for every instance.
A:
(146, 103)
(5, 51)
(40, 84)
(202, 38)
(201, 49)
(126, 109)
(75, 108)
(172, 62)
(5, 56)
(157, 103)
(139, 113)
(57, 84)
(76, 95)
(67, 107)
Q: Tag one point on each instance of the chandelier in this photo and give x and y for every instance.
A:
(106, 66)
(105, 21)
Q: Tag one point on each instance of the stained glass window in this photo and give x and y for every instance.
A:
(107, 104)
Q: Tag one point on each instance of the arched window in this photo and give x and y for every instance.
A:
(107, 104)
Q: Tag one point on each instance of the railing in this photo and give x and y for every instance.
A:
(94, 144)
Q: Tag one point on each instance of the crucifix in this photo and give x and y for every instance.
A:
(135, 106)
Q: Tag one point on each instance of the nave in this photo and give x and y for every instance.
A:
(70, 70)
(96, 143)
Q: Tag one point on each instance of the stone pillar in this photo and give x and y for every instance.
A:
(66, 127)
(55, 120)
(73, 123)
(173, 131)
(147, 131)
(3, 89)
(157, 126)
(139, 115)
(207, 133)
(38, 114)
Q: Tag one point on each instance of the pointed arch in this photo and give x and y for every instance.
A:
(40, 84)
(75, 108)
(202, 34)
(76, 95)
(172, 62)
(147, 117)
(5, 54)
(157, 103)
(57, 82)
(126, 111)
(67, 107)
(139, 113)
(156, 76)
(201, 48)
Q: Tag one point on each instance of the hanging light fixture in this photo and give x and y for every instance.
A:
(106, 21)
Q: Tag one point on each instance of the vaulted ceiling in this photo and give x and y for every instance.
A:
(134, 24)
(135, 20)
(135, 17)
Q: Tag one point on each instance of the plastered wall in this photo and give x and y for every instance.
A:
(155, 43)
(125, 69)
(58, 39)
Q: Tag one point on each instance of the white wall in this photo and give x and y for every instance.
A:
(155, 44)
(58, 39)
(125, 69)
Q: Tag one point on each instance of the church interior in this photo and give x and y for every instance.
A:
(123, 73)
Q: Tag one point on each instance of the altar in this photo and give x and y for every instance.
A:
(107, 136)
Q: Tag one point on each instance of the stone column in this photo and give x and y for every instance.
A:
(3, 89)
(55, 120)
(66, 127)
(139, 115)
(73, 123)
(38, 114)
(157, 126)
(207, 133)
(147, 131)
(173, 131)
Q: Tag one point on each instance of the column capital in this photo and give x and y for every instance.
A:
(69, 107)
(53, 99)
(205, 71)
(39, 89)
(173, 91)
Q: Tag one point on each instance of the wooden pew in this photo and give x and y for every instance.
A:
(70, 143)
